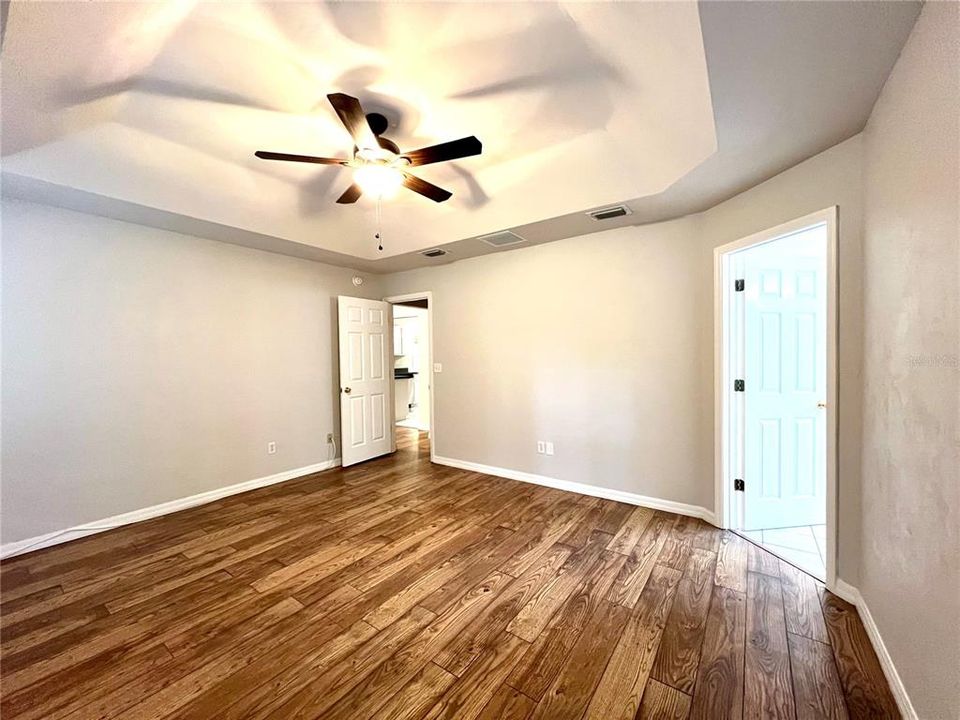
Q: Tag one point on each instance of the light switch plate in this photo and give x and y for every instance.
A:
(549, 448)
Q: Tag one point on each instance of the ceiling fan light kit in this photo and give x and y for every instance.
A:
(380, 169)
(378, 180)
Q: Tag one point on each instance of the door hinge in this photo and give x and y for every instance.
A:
(738, 386)
(738, 285)
(738, 485)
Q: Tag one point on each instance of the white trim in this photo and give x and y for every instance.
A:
(432, 430)
(846, 591)
(73, 533)
(722, 509)
(852, 595)
(582, 489)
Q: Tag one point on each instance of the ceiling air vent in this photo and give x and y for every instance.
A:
(434, 252)
(609, 213)
(502, 239)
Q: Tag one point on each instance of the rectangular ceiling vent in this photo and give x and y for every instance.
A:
(434, 252)
(610, 212)
(502, 239)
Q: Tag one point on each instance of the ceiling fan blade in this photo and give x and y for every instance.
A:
(353, 118)
(350, 195)
(437, 194)
(267, 155)
(464, 147)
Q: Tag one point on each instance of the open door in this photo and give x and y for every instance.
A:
(366, 379)
(785, 368)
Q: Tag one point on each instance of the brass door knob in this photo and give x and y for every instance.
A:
(347, 390)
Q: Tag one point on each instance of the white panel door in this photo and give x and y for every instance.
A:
(366, 379)
(784, 360)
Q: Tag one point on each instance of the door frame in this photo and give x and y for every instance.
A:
(723, 381)
(407, 297)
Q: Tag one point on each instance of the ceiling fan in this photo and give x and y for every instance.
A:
(379, 166)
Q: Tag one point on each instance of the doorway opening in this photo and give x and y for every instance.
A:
(776, 395)
(412, 336)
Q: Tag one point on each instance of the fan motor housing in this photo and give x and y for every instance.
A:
(378, 123)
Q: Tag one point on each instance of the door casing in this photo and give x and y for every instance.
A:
(723, 376)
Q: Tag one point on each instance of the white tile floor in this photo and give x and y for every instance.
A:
(805, 546)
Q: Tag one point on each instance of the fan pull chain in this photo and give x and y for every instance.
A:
(379, 227)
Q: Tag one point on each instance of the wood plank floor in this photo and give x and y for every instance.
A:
(401, 589)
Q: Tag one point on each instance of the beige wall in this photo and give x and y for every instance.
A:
(604, 345)
(142, 366)
(831, 178)
(587, 343)
(910, 570)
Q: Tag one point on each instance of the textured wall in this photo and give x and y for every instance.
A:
(604, 344)
(141, 366)
(591, 343)
(830, 178)
(910, 569)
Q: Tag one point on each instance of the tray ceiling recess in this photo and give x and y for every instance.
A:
(152, 112)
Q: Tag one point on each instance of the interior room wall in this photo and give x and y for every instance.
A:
(588, 343)
(142, 366)
(831, 178)
(910, 570)
(604, 345)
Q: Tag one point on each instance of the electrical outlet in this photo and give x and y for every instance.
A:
(549, 448)
(438, 367)
(271, 448)
(329, 438)
(541, 447)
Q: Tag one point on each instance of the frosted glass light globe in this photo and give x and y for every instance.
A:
(378, 180)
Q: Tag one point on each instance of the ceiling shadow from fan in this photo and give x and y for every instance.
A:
(71, 95)
(544, 78)
(478, 196)
(562, 56)
(363, 23)
(315, 196)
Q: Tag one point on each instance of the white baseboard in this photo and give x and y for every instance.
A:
(846, 591)
(582, 488)
(61, 536)
(852, 595)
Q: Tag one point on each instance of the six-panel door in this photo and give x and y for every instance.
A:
(366, 378)
(785, 381)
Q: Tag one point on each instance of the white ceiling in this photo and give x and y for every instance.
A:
(164, 104)
(151, 112)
